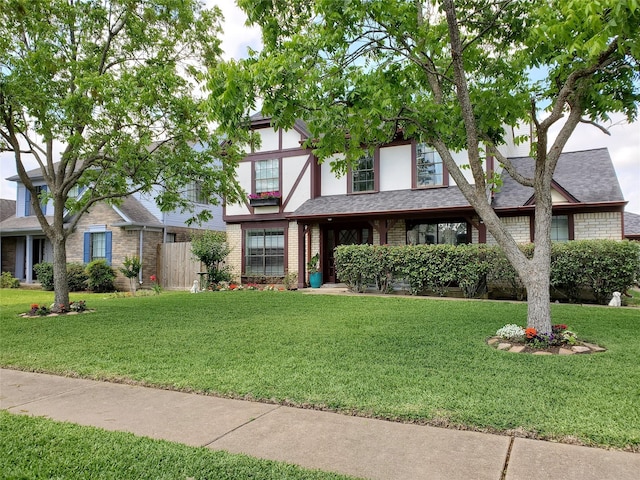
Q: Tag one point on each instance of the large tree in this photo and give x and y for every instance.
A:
(454, 74)
(113, 86)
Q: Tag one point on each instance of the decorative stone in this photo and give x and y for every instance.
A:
(517, 349)
(565, 351)
(542, 353)
(72, 313)
(594, 347)
(580, 349)
(493, 340)
(504, 346)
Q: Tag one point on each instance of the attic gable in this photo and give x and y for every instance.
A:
(585, 176)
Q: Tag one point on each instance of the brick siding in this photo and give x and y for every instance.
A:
(599, 225)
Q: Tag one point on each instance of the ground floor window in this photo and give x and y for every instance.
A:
(560, 228)
(97, 246)
(264, 252)
(437, 233)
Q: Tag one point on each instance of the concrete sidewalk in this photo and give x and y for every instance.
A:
(355, 446)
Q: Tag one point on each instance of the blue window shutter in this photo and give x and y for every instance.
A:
(108, 247)
(43, 205)
(27, 202)
(87, 247)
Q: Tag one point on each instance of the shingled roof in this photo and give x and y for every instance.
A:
(389, 202)
(588, 176)
(632, 225)
(135, 214)
(7, 208)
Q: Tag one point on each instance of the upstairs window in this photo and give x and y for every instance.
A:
(363, 175)
(28, 208)
(267, 176)
(429, 167)
(195, 194)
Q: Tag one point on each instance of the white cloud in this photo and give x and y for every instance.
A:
(237, 37)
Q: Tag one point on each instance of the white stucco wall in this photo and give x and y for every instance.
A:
(395, 168)
(269, 140)
(290, 139)
(291, 168)
(331, 185)
(243, 173)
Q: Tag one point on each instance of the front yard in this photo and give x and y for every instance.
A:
(400, 358)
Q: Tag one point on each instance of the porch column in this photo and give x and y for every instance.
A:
(29, 259)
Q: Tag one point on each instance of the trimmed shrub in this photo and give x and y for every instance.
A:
(76, 277)
(354, 266)
(8, 281)
(44, 274)
(580, 270)
(101, 276)
(599, 267)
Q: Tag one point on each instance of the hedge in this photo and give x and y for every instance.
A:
(580, 270)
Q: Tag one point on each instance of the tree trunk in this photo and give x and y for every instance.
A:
(538, 298)
(61, 285)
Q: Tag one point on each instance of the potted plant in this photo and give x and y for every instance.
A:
(315, 276)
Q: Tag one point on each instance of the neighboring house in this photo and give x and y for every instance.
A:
(400, 194)
(133, 228)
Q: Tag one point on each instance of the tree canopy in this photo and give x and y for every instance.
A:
(114, 84)
(456, 75)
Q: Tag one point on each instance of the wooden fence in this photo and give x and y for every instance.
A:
(177, 267)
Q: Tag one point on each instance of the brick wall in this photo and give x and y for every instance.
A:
(9, 255)
(599, 225)
(397, 235)
(234, 259)
(519, 228)
(292, 248)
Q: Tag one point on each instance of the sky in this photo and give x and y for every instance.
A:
(623, 143)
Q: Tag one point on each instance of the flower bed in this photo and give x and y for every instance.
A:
(560, 340)
(74, 308)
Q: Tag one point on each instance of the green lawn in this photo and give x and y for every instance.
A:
(393, 357)
(39, 448)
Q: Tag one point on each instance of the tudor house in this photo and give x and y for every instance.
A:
(402, 194)
(110, 232)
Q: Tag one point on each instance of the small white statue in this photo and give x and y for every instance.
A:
(615, 301)
(194, 288)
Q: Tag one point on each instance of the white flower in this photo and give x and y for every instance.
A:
(511, 332)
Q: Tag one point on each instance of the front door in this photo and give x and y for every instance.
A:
(37, 252)
(336, 235)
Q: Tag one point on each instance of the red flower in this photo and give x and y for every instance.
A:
(153, 278)
(530, 332)
(34, 305)
(233, 286)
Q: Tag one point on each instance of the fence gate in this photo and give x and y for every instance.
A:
(177, 267)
